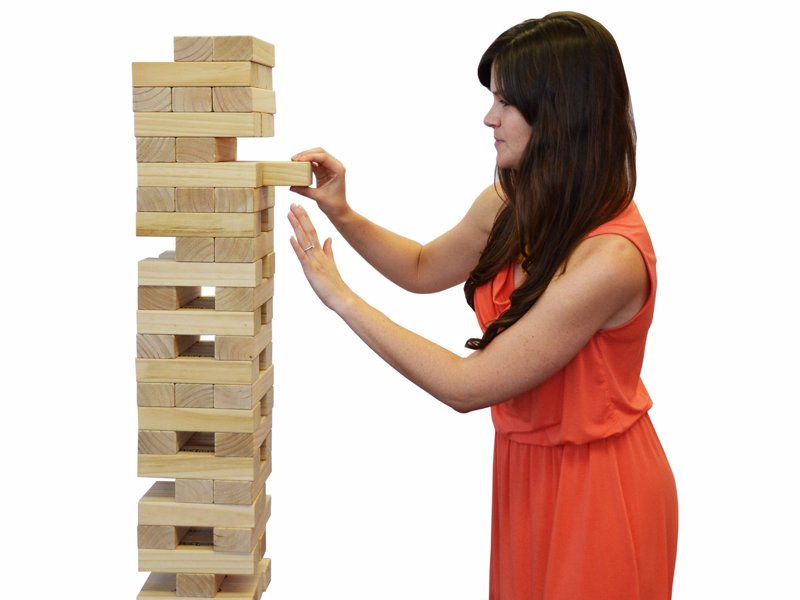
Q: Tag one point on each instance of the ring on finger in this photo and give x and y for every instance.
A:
(309, 247)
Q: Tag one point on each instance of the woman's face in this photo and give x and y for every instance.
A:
(511, 131)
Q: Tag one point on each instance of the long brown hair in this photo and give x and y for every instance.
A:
(564, 73)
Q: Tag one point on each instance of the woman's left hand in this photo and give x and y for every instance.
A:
(317, 260)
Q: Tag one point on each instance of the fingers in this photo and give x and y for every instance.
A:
(305, 235)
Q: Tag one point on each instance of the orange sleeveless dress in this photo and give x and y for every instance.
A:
(584, 501)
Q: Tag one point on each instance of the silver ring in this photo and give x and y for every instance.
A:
(310, 247)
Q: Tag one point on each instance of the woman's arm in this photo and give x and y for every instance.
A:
(605, 281)
(438, 265)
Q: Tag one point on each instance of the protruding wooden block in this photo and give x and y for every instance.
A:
(160, 537)
(155, 395)
(243, 47)
(152, 99)
(205, 149)
(242, 249)
(192, 99)
(155, 199)
(162, 442)
(243, 199)
(243, 99)
(194, 249)
(165, 297)
(193, 48)
(194, 395)
(194, 491)
(204, 124)
(155, 149)
(163, 346)
(197, 585)
(285, 173)
(165, 271)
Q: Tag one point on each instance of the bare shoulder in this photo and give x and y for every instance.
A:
(484, 209)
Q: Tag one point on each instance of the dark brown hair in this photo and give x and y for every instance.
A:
(564, 73)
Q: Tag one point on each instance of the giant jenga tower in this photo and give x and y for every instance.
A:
(204, 325)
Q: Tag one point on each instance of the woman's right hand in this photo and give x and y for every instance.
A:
(329, 193)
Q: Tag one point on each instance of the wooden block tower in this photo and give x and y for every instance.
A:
(204, 325)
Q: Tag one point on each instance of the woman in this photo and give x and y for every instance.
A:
(560, 271)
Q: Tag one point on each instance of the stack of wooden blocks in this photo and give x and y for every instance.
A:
(204, 325)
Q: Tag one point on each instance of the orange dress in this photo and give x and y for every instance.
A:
(584, 502)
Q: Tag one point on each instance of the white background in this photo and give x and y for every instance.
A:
(378, 490)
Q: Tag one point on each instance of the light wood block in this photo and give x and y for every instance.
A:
(198, 465)
(192, 99)
(194, 249)
(160, 537)
(155, 149)
(202, 559)
(193, 48)
(286, 173)
(191, 321)
(162, 442)
(152, 395)
(155, 199)
(190, 369)
(240, 174)
(243, 397)
(194, 199)
(238, 347)
(243, 249)
(243, 99)
(242, 298)
(160, 506)
(241, 539)
(197, 585)
(152, 99)
(167, 297)
(242, 444)
(188, 224)
(194, 491)
(205, 124)
(205, 149)
(165, 271)
(201, 419)
(268, 265)
(242, 493)
(241, 199)
(243, 47)
(203, 74)
(190, 395)
(163, 586)
(163, 345)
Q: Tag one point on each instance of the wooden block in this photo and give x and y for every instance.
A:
(155, 149)
(203, 74)
(197, 585)
(201, 419)
(243, 249)
(193, 48)
(191, 321)
(152, 99)
(205, 124)
(240, 347)
(205, 149)
(190, 224)
(242, 298)
(194, 199)
(155, 199)
(268, 265)
(194, 491)
(160, 506)
(165, 271)
(162, 586)
(191, 99)
(240, 539)
(167, 297)
(163, 346)
(192, 395)
(285, 173)
(163, 537)
(241, 444)
(243, 99)
(155, 395)
(239, 174)
(238, 396)
(162, 442)
(197, 370)
(268, 219)
(243, 199)
(194, 249)
(198, 465)
(243, 47)
(242, 493)
(201, 559)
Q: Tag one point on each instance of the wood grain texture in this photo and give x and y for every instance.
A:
(243, 47)
(205, 149)
(152, 99)
(203, 74)
(243, 99)
(192, 99)
(203, 124)
(211, 420)
(197, 370)
(166, 272)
